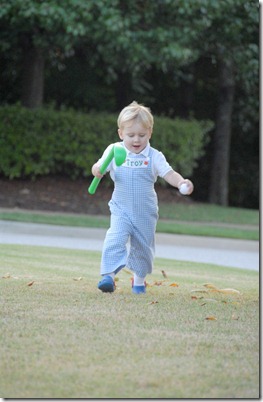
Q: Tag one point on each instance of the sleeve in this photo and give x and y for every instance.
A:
(104, 156)
(161, 166)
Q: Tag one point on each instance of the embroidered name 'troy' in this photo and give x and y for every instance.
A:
(136, 163)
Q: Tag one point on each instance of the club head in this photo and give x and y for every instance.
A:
(119, 154)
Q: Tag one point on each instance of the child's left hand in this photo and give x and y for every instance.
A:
(96, 171)
(186, 187)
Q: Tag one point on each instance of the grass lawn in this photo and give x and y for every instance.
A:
(191, 219)
(62, 338)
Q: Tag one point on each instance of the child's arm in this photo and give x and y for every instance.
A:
(96, 167)
(176, 180)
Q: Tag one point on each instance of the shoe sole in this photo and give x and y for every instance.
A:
(107, 288)
(106, 285)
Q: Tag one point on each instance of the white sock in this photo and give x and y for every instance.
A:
(137, 281)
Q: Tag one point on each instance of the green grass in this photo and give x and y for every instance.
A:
(203, 230)
(190, 219)
(63, 338)
(54, 218)
(199, 212)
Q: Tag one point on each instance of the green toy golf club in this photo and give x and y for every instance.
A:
(119, 154)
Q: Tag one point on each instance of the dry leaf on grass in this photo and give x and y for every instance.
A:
(158, 283)
(175, 285)
(212, 288)
(77, 279)
(30, 283)
(211, 318)
(197, 297)
(229, 291)
(153, 302)
(209, 286)
(6, 276)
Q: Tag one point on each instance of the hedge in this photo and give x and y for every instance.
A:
(46, 141)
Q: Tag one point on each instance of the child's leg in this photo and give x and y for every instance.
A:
(114, 253)
(138, 285)
(141, 255)
(138, 281)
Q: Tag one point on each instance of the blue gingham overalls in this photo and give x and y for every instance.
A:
(134, 214)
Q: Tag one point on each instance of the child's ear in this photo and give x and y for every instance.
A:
(120, 134)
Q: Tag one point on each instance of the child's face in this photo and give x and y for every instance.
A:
(135, 136)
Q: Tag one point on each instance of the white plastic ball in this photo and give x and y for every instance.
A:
(184, 189)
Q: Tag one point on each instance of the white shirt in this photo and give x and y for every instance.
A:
(160, 166)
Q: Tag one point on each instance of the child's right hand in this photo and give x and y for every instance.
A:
(96, 171)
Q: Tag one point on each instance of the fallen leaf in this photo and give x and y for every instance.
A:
(164, 274)
(197, 297)
(211, 318)
(209, 286)
(235, 317)
(175, 285)
(30, 283)
(6, 276)
(158, 283)
(77, 279)
(229, 291)
(153, 302)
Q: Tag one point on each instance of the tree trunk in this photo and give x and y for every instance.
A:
(187, 92)
(123, 90)
(218, 192)
(33, 78)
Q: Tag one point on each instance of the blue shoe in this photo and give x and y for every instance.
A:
(106, 284)
(138, 289)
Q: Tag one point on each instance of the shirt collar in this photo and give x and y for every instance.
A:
(144, 152)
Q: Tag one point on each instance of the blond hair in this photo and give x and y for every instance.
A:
(136, 111)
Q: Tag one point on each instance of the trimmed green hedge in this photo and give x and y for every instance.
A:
(46, 141)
